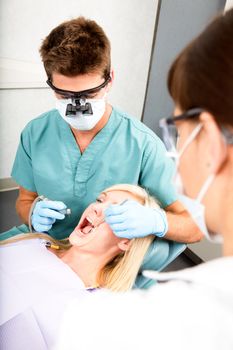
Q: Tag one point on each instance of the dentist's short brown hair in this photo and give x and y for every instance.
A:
(76, 47)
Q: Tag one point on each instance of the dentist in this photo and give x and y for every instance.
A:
(71, 153)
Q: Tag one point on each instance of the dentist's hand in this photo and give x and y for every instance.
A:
(45, 214)
(131, 219)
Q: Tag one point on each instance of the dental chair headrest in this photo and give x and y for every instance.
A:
(160, 254)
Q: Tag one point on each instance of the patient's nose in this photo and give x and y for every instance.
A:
(96, 214)
(97, 209)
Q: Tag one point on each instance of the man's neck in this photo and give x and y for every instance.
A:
(84, 138)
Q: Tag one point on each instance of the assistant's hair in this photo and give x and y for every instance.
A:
(120, 273)
(202, 74)
(78, 46)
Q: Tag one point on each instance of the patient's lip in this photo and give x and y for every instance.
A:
(79, 233)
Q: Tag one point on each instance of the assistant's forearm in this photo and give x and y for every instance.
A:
(182, 228)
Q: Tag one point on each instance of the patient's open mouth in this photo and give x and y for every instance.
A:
(85, 226)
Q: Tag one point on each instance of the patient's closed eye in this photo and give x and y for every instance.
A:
(99, 200)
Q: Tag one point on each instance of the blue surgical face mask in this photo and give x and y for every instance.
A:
(194, 206)
(176, 155)
(81, 121)
(197, 212)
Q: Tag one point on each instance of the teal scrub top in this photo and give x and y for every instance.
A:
(49, 162)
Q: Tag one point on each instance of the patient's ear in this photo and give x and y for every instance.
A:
(124, 244)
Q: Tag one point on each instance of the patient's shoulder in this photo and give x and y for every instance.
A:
(18, 256)
(30, 260)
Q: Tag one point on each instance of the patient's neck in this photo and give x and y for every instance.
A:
(86, 265)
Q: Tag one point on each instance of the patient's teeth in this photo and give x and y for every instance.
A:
(88, 219)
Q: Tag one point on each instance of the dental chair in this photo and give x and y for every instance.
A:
(16, 230)
(160, 254)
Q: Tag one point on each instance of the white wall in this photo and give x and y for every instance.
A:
(229, 4)
(129, 24)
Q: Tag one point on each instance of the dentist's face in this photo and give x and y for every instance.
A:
(92, 233)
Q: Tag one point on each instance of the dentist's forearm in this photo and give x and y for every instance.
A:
(24, 202)
(181, 227)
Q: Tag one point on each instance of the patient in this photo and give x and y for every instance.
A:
(42, 274)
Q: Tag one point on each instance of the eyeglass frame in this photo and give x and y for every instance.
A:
(78, 94)
(192, 113)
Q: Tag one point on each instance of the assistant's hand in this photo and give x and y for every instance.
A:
(131, 220)
(45, 214)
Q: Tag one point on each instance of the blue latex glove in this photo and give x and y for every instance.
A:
(131, 219)
(45, 214)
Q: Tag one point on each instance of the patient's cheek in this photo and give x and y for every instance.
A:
(110, 234)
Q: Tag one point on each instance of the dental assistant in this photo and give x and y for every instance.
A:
(73, 152)
(194, 309)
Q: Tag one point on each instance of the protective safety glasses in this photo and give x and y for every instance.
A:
(169, 130)
(90, 93)
(170, 134)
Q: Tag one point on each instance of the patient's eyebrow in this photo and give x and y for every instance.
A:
(106, 196)
(116, 202)
(102, 194)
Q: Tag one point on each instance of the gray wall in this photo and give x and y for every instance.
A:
(178, 21)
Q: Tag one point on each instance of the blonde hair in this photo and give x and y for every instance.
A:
(60, 244)
(120, 273)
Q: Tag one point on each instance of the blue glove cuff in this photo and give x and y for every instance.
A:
(162, 228)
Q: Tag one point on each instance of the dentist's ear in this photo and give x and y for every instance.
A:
(124, 244)
(112, 74)
(215, 143)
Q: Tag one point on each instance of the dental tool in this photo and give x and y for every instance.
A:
(49, 244)
(96, 223)
(126, 200)
(66, 211)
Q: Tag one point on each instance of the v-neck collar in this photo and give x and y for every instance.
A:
(81, 163)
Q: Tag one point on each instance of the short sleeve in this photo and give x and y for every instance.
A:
(22, 170)
(157, 173)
